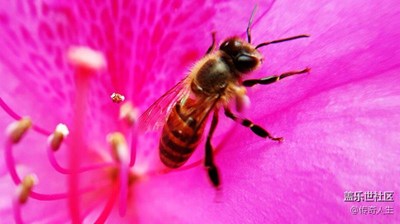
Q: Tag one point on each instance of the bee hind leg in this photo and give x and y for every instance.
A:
(273, 78)
(258, 130)
(209, 163)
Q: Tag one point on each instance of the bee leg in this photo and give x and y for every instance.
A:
(211, 48)
(258, 130)
(272, 79)
(212, 169)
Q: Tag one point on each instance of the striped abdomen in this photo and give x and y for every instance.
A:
(181, 135)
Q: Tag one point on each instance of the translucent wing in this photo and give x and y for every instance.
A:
(155, 116)
(198, 109)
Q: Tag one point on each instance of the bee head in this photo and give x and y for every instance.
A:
(245, 57)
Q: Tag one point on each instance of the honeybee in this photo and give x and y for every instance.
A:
(213, 82)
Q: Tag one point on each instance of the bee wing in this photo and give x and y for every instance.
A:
(199, 109)
(155, 116)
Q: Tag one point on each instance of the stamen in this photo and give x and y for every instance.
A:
(59, 168)
(24, 189)
(8, 110)
(133, 144)
(58, 136)
(118, 146)
(14, 115)
(109, 205)
(139, 173)
(17, 212)
(117, 98)
(39, 196)
(121, 153)
(128, 113)
(124, 182)
(17, 129)
(59, 196)
(86, 62)
(11, 163)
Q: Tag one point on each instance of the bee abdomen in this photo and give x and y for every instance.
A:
(179, 140)
(176, 148)
(171, 158)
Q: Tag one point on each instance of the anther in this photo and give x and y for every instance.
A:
(25, 188)
(118, 146)
(128, 113)
(17, 129)
(117, 98)
(86, 58)
(58, 136)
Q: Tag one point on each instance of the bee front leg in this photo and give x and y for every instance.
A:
(257, 129)
(211, 48)
(212, 169)
(273, 78)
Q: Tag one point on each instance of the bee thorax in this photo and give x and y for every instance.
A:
(213, 76)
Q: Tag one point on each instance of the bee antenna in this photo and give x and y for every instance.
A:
(282, 40)
(250, 22)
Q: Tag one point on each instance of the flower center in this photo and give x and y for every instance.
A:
(86, 62)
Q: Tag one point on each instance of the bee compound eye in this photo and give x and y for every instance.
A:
(232, 47)
(246, 63)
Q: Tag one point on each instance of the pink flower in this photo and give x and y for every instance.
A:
(340, 122)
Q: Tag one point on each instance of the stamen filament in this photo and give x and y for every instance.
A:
(53, 161)
(124, 181)
(17, 117)
(86, 62)
(121, 154)
(11, 163)
(76, 144)
(133, 145)
(17, 211)
(109, 205)
(88, 211)
(39, 196)
(49, 197)
(8, 110)
(130, 114)
(58, 196)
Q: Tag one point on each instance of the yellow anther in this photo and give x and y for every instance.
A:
(58, 136)
(118, 146)
(25, 187)
(128, 113)
(18, 128)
